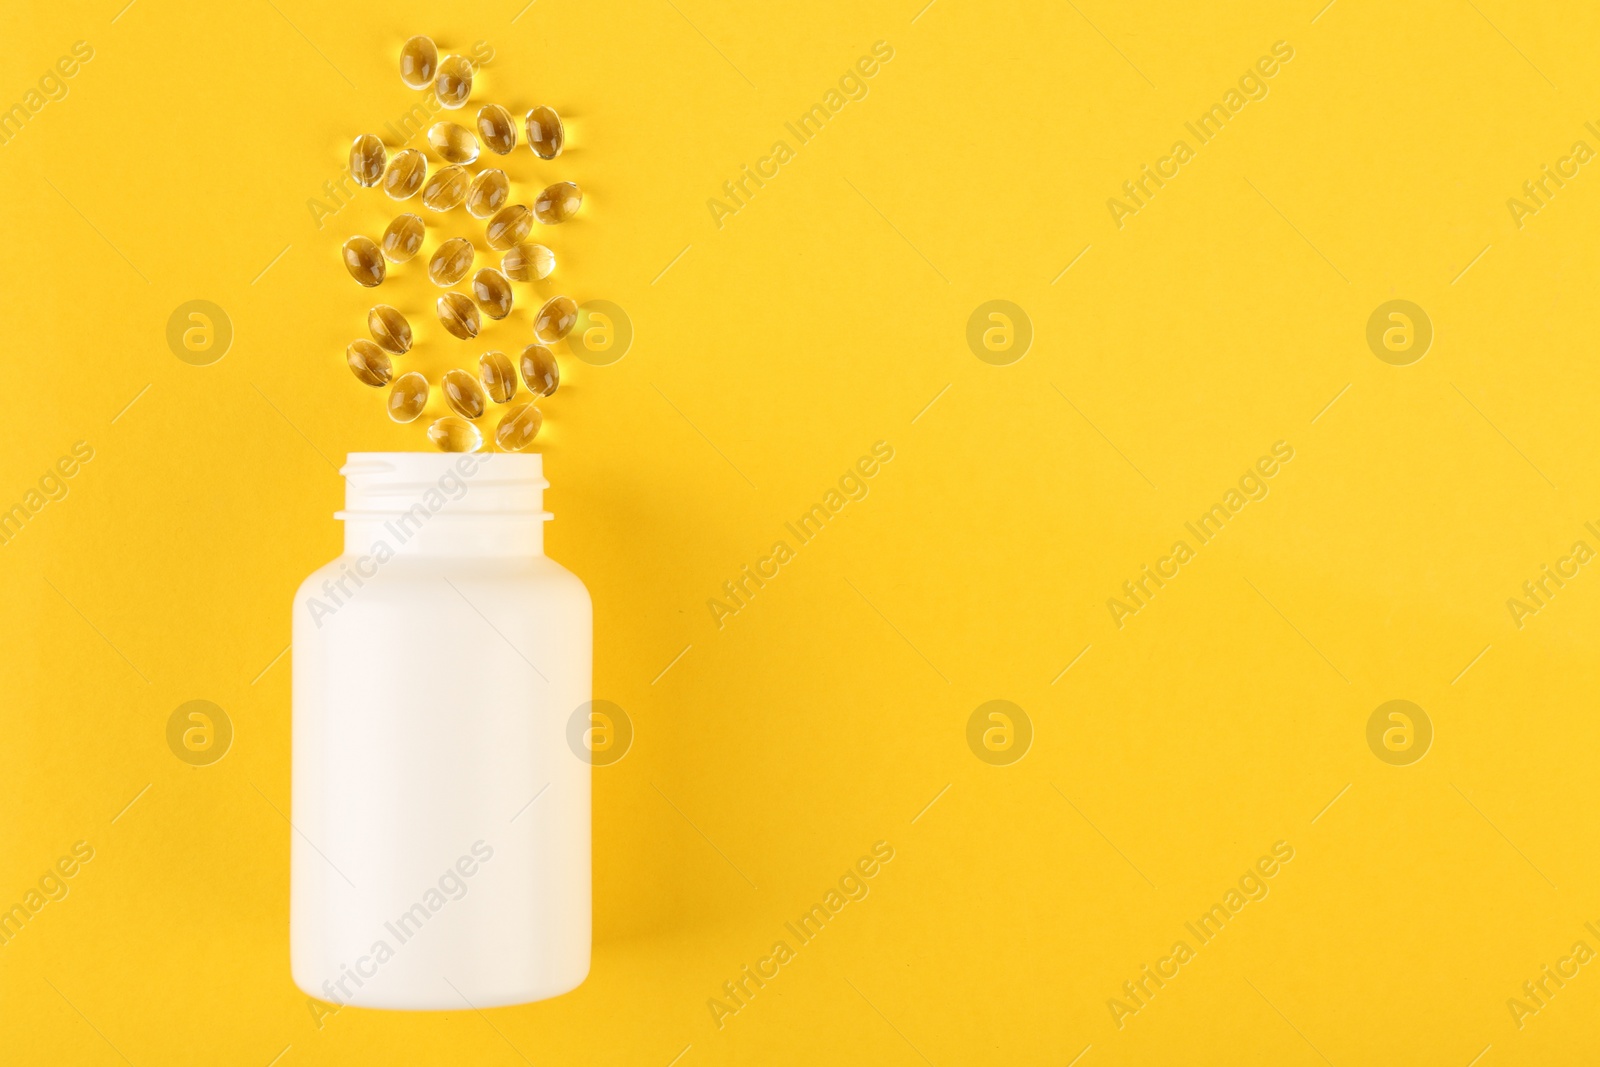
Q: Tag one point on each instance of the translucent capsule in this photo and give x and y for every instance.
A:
(488, 194)
(453, 142)
(419, 60)
(463, 393)
(499, 376)
(445, 188)
(457, 315)
(509, 226)
(364, 262)
(539, 370)
(492, 292)
(367, 157)
(368, 362)
(450, 434)
(454, 83)
(518, 427)
(451, 261)
(390, 329)
(403, 238)
(405, 174)
(545, 133)
(496, 130)
(408, 397)
(556, 319)
(528, 263)
(558, 203)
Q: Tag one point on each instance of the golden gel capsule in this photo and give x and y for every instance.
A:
(408, 397)
(390, 329)
(364, 262)
(368, 362)
(450, 434)
(492, 292)
(558, 203)
(545, 133)
(518, 427)
(403, 238)
(367, 158)
(509, 226)
(450, 262)
(445, 188)
(463, 393)
(556, 319)
(499, 376)
(539, 370)
(453, 142)
(496, 130)
(528, 263)
(419, 60)
(488, 194)
(454, 83)
(405, 174)
(457, 315)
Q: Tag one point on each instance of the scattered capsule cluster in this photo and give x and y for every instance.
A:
(486, 195)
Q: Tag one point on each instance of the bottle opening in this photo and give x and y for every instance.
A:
(454, 484)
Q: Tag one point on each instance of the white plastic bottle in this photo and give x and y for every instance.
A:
(440, 840)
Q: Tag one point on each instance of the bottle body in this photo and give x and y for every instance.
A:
(440, 851)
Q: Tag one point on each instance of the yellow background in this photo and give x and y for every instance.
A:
(827, 715)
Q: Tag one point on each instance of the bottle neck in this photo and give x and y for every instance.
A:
(442, 504)
(383, 537)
